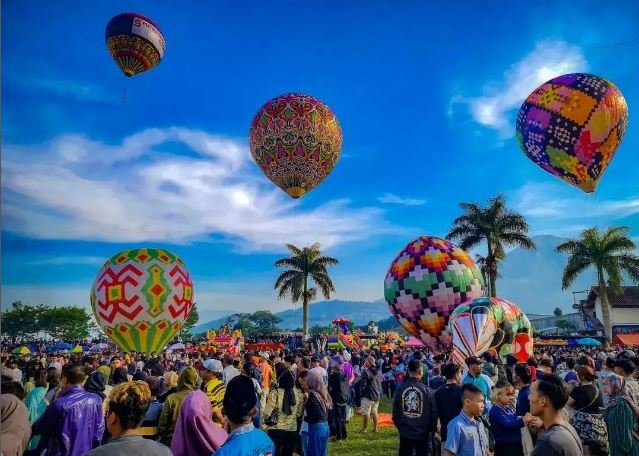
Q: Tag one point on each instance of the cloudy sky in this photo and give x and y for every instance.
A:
(426, 95)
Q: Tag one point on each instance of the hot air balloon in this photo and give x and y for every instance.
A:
(571, 127)
(141, 298)
(135, 43)
(425, 282)
(491, 325)
(296, 140)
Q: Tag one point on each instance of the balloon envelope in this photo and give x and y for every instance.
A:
(491, 325)
(571, 127)
(141, 298)
(425, 282)
(296, 141)
(135, 43)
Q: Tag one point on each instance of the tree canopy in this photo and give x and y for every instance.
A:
(64, 322)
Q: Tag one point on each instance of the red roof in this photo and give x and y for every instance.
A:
(626, 339)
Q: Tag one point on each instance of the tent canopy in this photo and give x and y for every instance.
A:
(626, 339)
(414, 342)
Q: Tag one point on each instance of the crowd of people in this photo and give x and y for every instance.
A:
(560, 402)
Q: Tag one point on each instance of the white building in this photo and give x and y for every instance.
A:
(624, 309)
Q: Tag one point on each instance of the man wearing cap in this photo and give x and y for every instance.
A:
(214, 387)
(240, 406)
(475, 377)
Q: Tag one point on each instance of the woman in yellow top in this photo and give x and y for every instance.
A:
(289, 403)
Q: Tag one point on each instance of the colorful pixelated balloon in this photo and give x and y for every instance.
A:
(296, 141)
(141, 298)
(135, 43)
(491, 325)
(571, 127)
(425, 282)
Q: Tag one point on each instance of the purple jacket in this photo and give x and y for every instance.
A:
(73, 424)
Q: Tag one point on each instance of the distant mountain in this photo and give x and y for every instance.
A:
(321, 313)
(532, 279)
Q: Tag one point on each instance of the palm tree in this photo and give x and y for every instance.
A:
(609, 253)
(486, 273)
(305, 263)
(495, 224)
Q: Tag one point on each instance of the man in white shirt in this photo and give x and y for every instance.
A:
(230, 371)
(315, 363)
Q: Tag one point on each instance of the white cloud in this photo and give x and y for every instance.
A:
(391, 198)
(559, 209)
(79, 188)
(493, 108)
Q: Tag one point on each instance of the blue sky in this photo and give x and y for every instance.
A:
(426, 96)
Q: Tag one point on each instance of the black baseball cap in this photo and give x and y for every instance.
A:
(473, 360)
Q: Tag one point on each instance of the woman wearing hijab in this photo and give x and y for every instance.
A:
(106, 370)
(318, 403)
(289, 403)
(620, 417)
(36, 403)
(169, 386)
(195, 432)
(53, 380)
(15, 428)
(96, 384)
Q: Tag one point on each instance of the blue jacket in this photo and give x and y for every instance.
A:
(505, 425)
(73, 424)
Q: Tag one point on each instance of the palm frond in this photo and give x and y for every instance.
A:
(294, 249)
(296, 262)
(629, 264)
(286, 276)
(576, 265)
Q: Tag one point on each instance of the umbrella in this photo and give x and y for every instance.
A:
(177, 347)
(21, 351)
(76, 349)
(97, 347)
(589, 341)
(62, 346)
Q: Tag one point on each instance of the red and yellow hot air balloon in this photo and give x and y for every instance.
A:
(296, 141)
(135, 43)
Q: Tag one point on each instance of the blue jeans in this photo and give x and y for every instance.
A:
(304, 438)
(318, 439)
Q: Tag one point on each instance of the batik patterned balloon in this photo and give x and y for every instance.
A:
(571, 127)
(135, 43)
(141, 298)
(296, 140)
(490, 325)
(424, 284)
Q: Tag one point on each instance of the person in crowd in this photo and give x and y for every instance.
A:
(240, 405)
(347, 367)
(214, 387)
(128, 403)
(388, 382)
(250, 370)
(475, 377)
(289, 403)
(96, 384)
(371, 391)
(318, 403)
(414, 412)
(74, 423)
(626, 368)
(545, 367)
(15, 430)
(316, 366)
(504, 424)
(171, 408)
(569, 374)
(54, 379)
(149, 427)
(12, 370)
(488, 368)
(448, 398)
(511, 362)
(587, 402)
(548, 396)
(36, 403)
(195, 432)
(466, 434)
(340, 393)
(621, 417)
(119, 375)
(437, 380)
(522, 376)
(230, 371)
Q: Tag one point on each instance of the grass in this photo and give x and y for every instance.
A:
(385, 443)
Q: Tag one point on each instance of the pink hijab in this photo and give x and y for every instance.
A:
(195, 433)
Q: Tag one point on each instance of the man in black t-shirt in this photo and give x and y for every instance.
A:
(448, 397)
(548, 395)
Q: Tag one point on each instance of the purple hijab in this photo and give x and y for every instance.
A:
(195, 433)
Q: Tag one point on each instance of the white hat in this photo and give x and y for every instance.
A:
(346, 355)
(213, 365)
(264, 355)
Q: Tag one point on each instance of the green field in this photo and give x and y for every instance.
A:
(385, 443)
